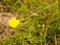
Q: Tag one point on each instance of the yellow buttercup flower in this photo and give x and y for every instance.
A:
(13, 22)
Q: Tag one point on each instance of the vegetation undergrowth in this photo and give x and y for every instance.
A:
(40, 22)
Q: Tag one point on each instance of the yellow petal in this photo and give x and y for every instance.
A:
(13, 22)
(17, 22)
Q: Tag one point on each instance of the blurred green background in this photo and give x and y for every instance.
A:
(40, 22)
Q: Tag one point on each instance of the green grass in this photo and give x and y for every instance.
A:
(40, 22)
